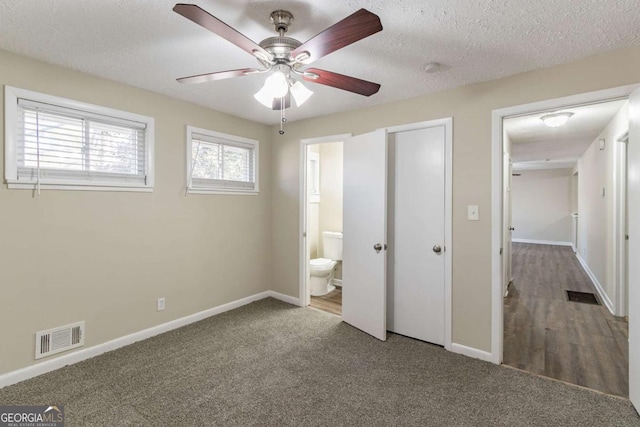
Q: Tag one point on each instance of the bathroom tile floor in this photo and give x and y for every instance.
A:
(331, 302)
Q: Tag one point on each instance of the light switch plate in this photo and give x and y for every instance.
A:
(472, 213)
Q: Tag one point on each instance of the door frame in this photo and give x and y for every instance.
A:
(497, 303)
(620, 223)
(303, 267)
(448, 211)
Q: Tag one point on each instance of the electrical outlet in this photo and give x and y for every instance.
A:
(160, 305)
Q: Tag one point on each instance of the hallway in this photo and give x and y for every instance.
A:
(548, 335)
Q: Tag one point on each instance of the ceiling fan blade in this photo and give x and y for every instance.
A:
(277, 102)
(220, 75)
(354, 27)
(340, 81)
(216, 26)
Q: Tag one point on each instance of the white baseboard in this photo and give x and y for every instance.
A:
(603, 295)
(472, 352)
(283, 297)
(543, 242)
(337, 282)
(19, 375)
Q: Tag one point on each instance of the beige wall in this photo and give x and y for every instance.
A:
(105, 257)
(470, 106)
(595, 210)
(541, 205)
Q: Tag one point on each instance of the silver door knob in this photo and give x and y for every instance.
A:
(377, 247)
(437, 249)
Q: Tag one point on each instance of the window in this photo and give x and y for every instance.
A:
(54, 142)
(221, 163)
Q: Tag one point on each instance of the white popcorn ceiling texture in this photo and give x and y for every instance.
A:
(145, 44)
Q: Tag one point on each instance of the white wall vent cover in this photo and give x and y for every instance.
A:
(59, 339)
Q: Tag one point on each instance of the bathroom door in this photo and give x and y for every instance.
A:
(365, 232)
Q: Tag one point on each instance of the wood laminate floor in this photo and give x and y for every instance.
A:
(331, 302)
(546, 334)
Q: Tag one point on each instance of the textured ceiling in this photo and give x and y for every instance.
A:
(144, 44)
(533, 142)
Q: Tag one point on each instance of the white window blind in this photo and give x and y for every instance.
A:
(221, 163)
(62, 143)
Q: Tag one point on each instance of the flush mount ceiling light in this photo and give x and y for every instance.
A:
(284, 58)
(556, 119)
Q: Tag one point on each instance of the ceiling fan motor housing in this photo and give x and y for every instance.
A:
(280, 47)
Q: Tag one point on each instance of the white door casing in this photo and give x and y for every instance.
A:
(633, 193)
(416, 294)
(364, 226)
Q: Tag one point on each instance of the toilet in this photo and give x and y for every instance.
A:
(321, 269)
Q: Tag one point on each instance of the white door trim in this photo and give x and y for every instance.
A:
(448, 212)
(620, 224)
(303, 266)
(496, 191)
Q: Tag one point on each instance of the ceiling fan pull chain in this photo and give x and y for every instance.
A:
(283, 119)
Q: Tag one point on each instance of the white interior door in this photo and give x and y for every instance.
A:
(364, 230)
(417, 216)
(633, 192)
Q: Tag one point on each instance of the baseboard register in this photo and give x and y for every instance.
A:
(57, 340)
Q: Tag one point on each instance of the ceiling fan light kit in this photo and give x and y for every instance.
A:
(285, 57)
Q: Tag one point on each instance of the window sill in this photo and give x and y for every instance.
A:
(227, 192)
(78, 187)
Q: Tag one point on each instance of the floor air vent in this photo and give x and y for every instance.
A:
(59, 339)
(583, 297)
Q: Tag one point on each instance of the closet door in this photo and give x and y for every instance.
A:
(417, 287)
(364, 233)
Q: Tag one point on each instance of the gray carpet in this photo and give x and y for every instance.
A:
(273, 364)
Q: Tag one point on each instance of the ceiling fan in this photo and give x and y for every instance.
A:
(285, 57)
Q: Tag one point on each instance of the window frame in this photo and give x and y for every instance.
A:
(11, 96)
(222, 137)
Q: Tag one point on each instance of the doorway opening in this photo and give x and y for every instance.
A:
(321, 221)
(563, 223)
